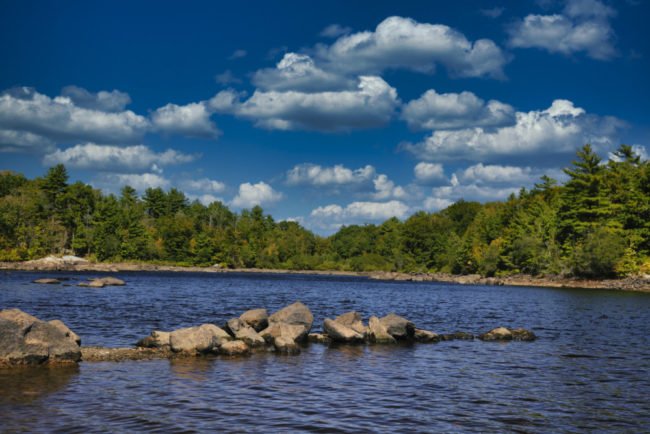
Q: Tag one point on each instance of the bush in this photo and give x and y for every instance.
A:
(598, 254)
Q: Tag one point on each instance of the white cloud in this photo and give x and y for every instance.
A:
(226, 77)
(560, 129)
(111, 181)
(205, 199)
(331, 217)
(205, 185)
(113, 101)
(59, 119)
(436, 203)
(386, 189)
(192, 120)
(116, 158)
(23, 141)
(429, 172)
(315, 175)
(456, 110)
(255, 194)
(335, 30)
(494, 174)
(299, 72)
(583, 26)
(371, 105)
(399, 42)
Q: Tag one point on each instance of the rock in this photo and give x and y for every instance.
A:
(294, 314)
(234, 348)
(398, 327)
(64, 328)
(73, 260)
(26, 340)
(426, 336)
(198, 339)
(378, 333)
(463, 336)
(285, 345)
(354, 321)
(101, 354)
(242, 331)
(340, 333)
(318, 338)
(520, 334)
(96, 283)
(289, 331)
(256, 318)
(111, 281)
(47, 281)
(157, 339)
(497, 334)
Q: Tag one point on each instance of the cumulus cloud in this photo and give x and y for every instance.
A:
(332, 217)
(582, 26)
(116, 158)
(299, 72)
(255, 194)
(26, 114)
(560, 129)
(23, 141)
(316, 175)
(113, 101)
(372, 104)
(386, 189)
(192, 120)
(205, 199)
(203, 185)
(456, 110)
(403, 43)
(142, 181)
(335, 30)
(429, 172)
(495, 174)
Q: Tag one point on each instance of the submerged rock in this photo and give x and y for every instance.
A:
(462, 336)
(340, 333)
(26, 340)
(92, 284)
(101, 282)
(398, 327)
(378, 333)
(198, 339)
(520, 334)
(426, 336)
(256, 318)
(505, 334)
(102, 354)
(47, 281)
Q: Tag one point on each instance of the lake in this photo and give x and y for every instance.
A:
(588, 371)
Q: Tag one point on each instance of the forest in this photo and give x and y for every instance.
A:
(597, 224)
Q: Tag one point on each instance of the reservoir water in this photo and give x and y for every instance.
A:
(588, 371)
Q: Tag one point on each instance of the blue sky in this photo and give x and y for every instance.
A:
(328, 113)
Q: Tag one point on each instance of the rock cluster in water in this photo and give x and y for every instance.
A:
(26, 340)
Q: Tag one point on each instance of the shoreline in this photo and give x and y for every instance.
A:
(635, 284)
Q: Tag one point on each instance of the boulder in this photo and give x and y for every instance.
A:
(96, 283)
(289, 331)
(111, 281)
(318, 338)
(64, 328)
(256, 318)
(426, 336)
(26, 340)
(294, 314)
(354, 321)
(340, 333)
(157, 339)
(47, 281)
(285, 345)
(463, 336)
(398, 327)
(497, 334)
(242, 331)
(234, 348)
(378, 333)
(520, 334)
(198, 339)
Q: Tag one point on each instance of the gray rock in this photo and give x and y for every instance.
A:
(294, 332)
(497, 334)
(318, 338)
(256, 318)
(198, 339)
(294, 314)
(157, 339)
(234, 348)
(426, 336)
(378, 333)
(23, 319)
(462, 336)
(398, 327)
(520, 334)
(64, 328)
(285, 345)
(354, 321)
(340, 333)
(47, 281)
(111, 281)
(242, 331)
(96, 283)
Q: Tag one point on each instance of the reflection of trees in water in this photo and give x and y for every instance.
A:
(25, 385)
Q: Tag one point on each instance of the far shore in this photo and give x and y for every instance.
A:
(636, 283)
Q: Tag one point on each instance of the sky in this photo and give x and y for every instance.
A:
(326, 113)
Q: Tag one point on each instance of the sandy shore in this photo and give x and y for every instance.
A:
(637, 283)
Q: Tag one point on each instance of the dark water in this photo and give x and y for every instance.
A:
(588, 371)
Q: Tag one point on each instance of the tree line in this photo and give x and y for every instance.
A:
(596, 224)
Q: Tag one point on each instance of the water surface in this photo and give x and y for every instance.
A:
(588, 371)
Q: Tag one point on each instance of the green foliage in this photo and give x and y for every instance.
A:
(596, 225)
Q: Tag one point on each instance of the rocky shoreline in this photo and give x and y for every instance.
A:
(634, 283)
(28, 341)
